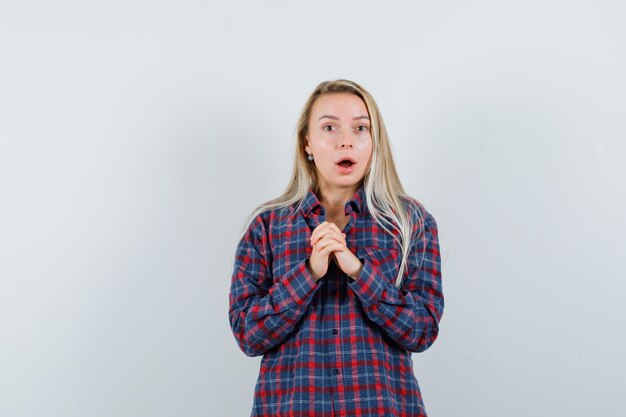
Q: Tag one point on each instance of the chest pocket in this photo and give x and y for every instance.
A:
(386, 260)
(384, 254)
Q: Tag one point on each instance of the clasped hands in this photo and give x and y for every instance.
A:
(329, 243)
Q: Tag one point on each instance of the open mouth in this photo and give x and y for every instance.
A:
(345, 163)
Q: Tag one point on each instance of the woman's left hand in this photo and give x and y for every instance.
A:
(347, 262)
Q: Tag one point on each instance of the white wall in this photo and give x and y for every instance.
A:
(135, 136)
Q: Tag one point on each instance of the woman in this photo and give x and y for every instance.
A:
(338, 281)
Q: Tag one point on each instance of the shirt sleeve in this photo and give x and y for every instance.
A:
(263, 311)
(410, 315)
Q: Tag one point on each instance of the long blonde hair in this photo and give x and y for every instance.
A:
(382, 186)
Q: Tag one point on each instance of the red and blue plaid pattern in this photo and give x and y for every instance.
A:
(338, 346)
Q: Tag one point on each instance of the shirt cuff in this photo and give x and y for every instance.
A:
(368, 284)
(295, 288)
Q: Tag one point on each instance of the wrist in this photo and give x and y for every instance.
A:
(308, 267)
(356, 274)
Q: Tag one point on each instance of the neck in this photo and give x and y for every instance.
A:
(335, 198)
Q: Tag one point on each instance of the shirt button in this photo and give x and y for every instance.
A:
(335, 371)
(335, 331)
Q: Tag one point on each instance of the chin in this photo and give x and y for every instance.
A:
(348, 181)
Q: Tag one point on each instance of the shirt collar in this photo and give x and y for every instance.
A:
(311, 203)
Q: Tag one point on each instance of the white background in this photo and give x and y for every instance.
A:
(135, 136)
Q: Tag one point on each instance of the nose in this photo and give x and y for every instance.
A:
(346, 139)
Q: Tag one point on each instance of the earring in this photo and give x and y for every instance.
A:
(310, 157)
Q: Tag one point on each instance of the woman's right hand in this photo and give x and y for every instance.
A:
(326, 238)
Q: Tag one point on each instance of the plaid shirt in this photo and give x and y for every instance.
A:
(337, 346)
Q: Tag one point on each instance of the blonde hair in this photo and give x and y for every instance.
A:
(383, 190)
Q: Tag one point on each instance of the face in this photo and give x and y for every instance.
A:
(339, 128)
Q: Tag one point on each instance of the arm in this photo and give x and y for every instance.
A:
(410, 314)
(263, 313)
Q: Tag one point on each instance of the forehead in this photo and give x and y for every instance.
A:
(342, 105)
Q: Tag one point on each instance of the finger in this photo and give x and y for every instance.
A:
(328, 240)
(339, 236)
(319, 233)
(325, 228)
(316, 232)
(331, 247)
(335, 227)
(323, 242)
(330, 234)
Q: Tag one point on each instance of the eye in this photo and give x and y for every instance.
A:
(325, 126)
(364, 128)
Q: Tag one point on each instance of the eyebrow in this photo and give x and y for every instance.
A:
(330, 116)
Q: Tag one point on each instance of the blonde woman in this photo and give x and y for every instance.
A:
(338, 281)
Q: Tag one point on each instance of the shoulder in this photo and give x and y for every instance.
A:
(263, 221)
(421, 218)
